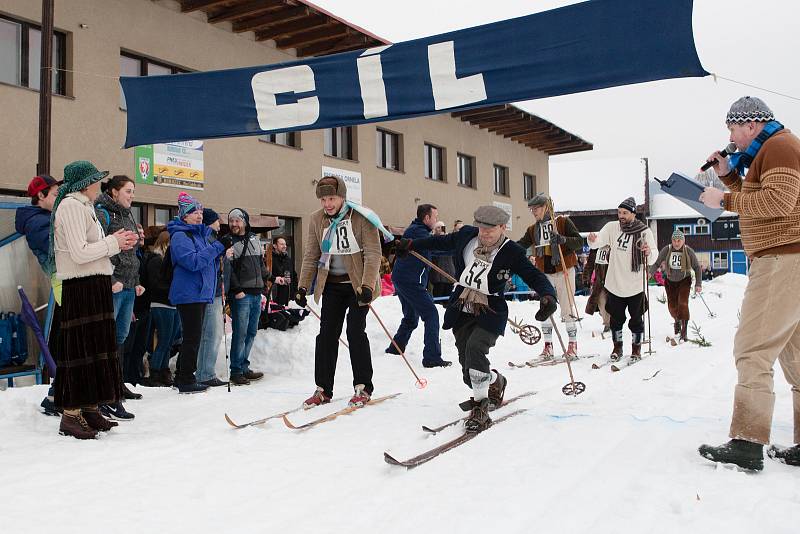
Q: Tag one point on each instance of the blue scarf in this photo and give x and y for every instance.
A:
(741, 161)
(371, 216)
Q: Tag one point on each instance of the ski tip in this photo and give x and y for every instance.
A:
(595, 366)
(614, 369)
(288, 423)
(428, 429)
(391, 460)
(230, 422)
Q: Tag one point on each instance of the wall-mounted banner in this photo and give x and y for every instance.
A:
(508, 208)
(352, 180)
(581, 47)
(172, 164)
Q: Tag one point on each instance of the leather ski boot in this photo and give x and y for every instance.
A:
(684, 330)
(572, 351)
(96, 421)
(676, 327)
(616, 337)
(636, 346)
(788, 455)
(478, 419)
(76, 426)
(745, 454)
(497, 390)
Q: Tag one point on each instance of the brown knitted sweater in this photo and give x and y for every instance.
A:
(768, 199)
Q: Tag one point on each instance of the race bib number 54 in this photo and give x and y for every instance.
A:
(476, 276)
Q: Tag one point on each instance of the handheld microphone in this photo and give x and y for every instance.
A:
(725, 152)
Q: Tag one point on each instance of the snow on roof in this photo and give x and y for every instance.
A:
(664, 206)
(597, 184)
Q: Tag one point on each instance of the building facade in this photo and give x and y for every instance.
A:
(455, 161)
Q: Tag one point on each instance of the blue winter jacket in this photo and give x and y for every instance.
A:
(410, 270)
(510, 259)
(34, 223)
(195, 261)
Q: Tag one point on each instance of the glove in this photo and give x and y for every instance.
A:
(365, 296)
(557, 239)
(404, 246)
(300, 297)
(226, 241)
(547, 307)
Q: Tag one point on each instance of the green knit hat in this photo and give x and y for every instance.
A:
(677, 234)
(78, 175)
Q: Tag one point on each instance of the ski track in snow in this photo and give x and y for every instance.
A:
(622, 457)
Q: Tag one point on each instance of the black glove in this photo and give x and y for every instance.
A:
(557, 239)
(300, 297)
(404, 246)
(226, 241)
(365, 296)
(547, 307)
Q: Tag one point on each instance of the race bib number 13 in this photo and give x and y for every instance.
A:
(476, 276)
(343, 241)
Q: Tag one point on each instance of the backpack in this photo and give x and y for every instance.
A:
(167, 266)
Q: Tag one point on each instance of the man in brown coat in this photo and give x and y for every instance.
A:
(343, 252)
(767, 199)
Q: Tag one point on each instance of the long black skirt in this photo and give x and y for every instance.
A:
(87, 366)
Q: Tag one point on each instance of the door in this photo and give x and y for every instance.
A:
(738, 262)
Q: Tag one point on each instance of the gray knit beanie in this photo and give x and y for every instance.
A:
(749, 109)
(629, 204)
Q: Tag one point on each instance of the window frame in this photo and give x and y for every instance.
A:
(706, 226)
(506, 191)
(332, 138)
(59, 78)
(471, 165)
(381, 155)
(144, 61)
(716, 256)
(429, 149)
(273, 139)
(686, 228)
(528, 192)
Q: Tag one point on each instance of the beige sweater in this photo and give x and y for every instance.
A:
(81, 247)
(362, 267)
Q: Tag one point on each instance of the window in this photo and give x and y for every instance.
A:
(528, 186)
(466, 170)
(21, 55)
(285, 139)
(434, 162)
(339, 142)
(388, 150)
(163, 215)
(501, 180)
(133, 65)
(137, 211)
(720, 261)
(685, 228)
(702, 227)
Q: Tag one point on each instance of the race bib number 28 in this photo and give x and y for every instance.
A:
(476, 276)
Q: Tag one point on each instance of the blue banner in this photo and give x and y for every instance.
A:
(582, 47)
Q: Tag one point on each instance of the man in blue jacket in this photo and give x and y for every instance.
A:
(34, 223)
(410, 278)
(477, 311)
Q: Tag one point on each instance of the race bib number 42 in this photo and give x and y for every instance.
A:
(476, 276)
(343, 241)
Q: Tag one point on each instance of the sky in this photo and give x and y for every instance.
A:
(676, 124)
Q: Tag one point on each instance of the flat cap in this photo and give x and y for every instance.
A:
(540, 199)
(490, 216)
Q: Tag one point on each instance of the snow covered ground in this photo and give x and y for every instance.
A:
(619, 458)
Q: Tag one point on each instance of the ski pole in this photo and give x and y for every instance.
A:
(646, 290)
(421, 382)
(224, 318)
(527, 333)
(570, 291)
(573, 388)
(710, 313)
(315, 314)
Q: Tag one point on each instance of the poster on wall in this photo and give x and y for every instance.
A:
(506, 208)
(351, 178)
(170, 164)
